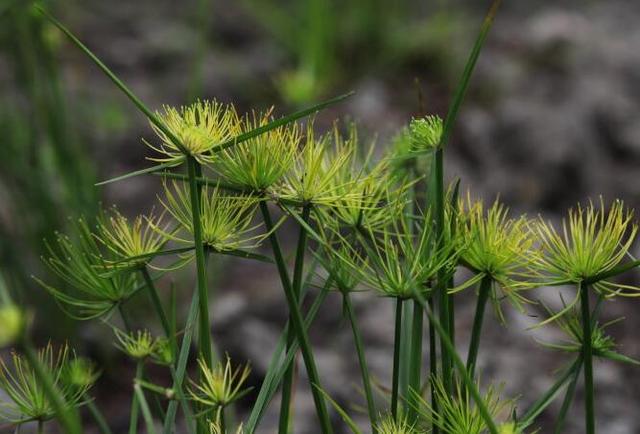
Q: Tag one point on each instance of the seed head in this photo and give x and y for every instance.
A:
(199, 128)
(226, 220)
(137, 345)
(592, 242)
(260, 162)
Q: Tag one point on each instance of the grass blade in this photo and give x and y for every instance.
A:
(145, 171)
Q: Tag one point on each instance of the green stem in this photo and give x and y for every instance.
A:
(568, 398)
(459, 364)
(103, 426)
(443, 295)
(125, 318)
(157, 305)
(415, 382)
(587, 355)
(433, 366)
(396, 359)
(474, 345)
(298, 324)
(364, 369)
(204, 327)
(135, 405)
(67, 416)
(284, 424)
(405, 351)
(40, 426)
(181, 367)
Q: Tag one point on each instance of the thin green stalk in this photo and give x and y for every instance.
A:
(125, 318)
(135, 405)
(364, 369)
(396, 359)
(275, 372)
(68, 417)
(181, 366)
(285, 423)
(476, 333)
(415, 366)
(40, 426)
(204, 334)
(144, 406)
(459, 364)
(587, 355)
(103, 426)
(405, 351)
(568, 398)
(441, 288)
(298, 324)
(433, 365)
(157, 305)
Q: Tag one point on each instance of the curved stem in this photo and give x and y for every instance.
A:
(364, 369)
(474, 345)
(587, 355)
(155, 300)
(284, 423)
(396, 360)
(298, 324)
(204, 337)
(125, 318)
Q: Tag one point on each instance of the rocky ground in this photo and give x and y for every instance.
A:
(552, 119)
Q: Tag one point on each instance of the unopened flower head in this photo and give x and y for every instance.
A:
(81, 372)
(498, 247)
(137, 239)
(81, 264)
(226, 220)
(137, 345)
(592, 242)
(426, 133)
(27, 398)
(260, 162)
(220, 386)
(199, 128)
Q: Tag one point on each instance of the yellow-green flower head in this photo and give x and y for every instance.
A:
(12, 324)
(220, 386)
(388, 425)
(312, 178)
(260, 162)
(458, 414)
(592, 242)
(368, 194)
(81, 372)
(199, 128)
(402, 259)
(136, 240)
(498, 247)
(426, 133)
(137, 345)
(162, 352)
(226, 220)
(81, 264)
(27, 399)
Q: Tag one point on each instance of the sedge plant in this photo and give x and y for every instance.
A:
(371, 220)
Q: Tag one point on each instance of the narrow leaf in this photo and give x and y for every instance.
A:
(145, 171)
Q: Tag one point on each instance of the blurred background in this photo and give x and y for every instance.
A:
(551, 119)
